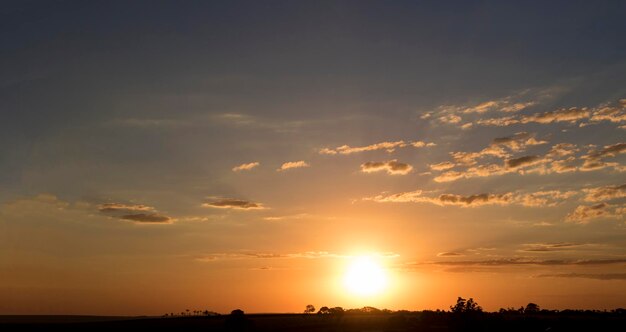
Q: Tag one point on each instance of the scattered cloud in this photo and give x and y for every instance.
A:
(147, 218)
(536, 199)
(138, 213)
(288, 217)
(549, 247)
(524, 161)
(605, 193)
(387, 146)
(450, 119)
(603, 113)
(450, 254)
(572, 114)
(269, 255)
(121, 207)
(528, 261)
(233, 203)
(498, 148)
(293, 164)
(585, 213)
(518, 142)
(596, 276)
(246, 167)
(446, 165)
(392, 167)
(595, 159)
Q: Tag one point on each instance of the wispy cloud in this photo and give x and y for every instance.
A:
(272, 255)
(392, 167)
(147, 218)
(550, 247)
(246, 167)
(536, 199)
(583, 115)
(122, 207)
(386, 146)
(288, 217)
(527, 261)
(596, 276)
(583, 214)
(605, 193)
(450, 254)
(232, 203)
(138, 213)
(293, 164)
(446, 165)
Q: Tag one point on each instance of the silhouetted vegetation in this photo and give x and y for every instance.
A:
(463, 315)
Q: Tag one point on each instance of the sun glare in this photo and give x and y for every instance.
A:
(365, 277)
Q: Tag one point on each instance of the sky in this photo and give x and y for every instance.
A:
(157, 156)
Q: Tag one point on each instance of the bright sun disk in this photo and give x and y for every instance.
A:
(365, 277)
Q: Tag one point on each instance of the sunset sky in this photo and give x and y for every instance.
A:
(157, 156)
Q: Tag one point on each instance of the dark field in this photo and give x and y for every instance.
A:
(409, 321)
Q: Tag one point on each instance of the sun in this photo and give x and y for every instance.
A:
(365, 277)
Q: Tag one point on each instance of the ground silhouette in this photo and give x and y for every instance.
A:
(464, 315)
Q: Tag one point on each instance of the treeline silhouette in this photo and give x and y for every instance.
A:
(462, 315)
(462, 306)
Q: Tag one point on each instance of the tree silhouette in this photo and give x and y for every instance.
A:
(338, 311)
(531, 308)
(309, 309)
(465, 306)
(323, 311)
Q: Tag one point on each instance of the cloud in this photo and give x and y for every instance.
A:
(563, 149)
(585, 213)
(121, 207)
(446, 165)
(608, 151)
(450, 254)
(483, 107)
(387, 146)
(605, 193)
(147, 218)
(526, 261)
(497, 148)
(572, 114)
(469, 158)
(233, 203)
(246, 167)
(269, 255)
(524, 161)
(536, 199)
(474, 200)
(611, 114)
(293, 164)
(288, 217)
(560, 159)
(594, 159)
(138, 213)
(606, 112)
(421, 144)
(518, 142)
(393, 167)
(499, 122)
(549, 247)
(596, 276)
(450, 119)
(569, 115)
(545, 198)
